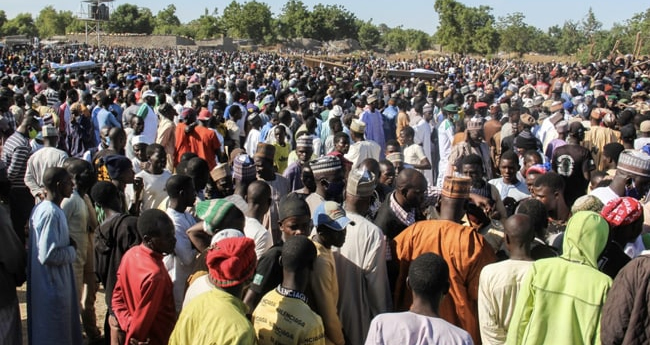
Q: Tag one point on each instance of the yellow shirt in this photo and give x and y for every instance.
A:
(214, 317)
(281, 158)
(324, 294)
(286, 319)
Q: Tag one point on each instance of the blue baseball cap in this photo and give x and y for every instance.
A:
(332, 215)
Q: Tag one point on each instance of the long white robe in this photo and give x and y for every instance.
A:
(362, 277)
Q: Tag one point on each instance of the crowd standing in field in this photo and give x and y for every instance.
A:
(240, 198)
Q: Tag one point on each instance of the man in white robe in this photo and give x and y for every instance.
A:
(361, 262)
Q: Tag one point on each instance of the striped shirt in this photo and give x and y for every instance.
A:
(52, 98)
(15, 154)
(11, 119)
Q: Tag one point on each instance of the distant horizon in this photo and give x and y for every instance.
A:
(410, 14)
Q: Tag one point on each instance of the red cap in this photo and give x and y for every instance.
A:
(204, 115)
(479, 105)
(622, 211)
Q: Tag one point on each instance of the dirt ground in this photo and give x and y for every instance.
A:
(100, 309)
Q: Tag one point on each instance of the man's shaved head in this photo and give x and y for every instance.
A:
(519, 229)
(408, 178)
(258, 192)
(371, 165)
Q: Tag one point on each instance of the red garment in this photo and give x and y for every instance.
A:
(466, 253)
(201, 140)
(622, 211)
(346, 163)
(143, 298)
(182, 144)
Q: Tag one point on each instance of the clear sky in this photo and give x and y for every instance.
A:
(416, 14)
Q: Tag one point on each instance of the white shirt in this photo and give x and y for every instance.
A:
(445, 138)
(180, 264)
(251, 142)
(498, 287)
(411, 328)
(150, 126)
(258, 233)
(639, 143)
(604, 194)
(38, 162)
(517, 191)
(361, 150)
(154, 192)
(199, 286)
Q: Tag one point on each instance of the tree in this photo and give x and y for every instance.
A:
(128, 18)
(231, 20)
(3, 20)
(417, 40)
(394, 40)
(450, 27)
(72, 23)
(368, 35)
(590, 25)
(258, 21)
(542, 43)
(293, 21)
(22, 24)
(49, 22)
(515, 35)
(206, 26)
(332, 22)
(570, 38)
(252, 20)
(166, 21)
(640, 22)
(465, 29)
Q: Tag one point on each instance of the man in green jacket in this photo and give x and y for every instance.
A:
(561, 299)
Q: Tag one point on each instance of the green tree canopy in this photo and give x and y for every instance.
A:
(251, 20)
(51, 22)
(417, 40)
(22, 24)
(590, 26)
(515, 35)
(293, 21)
(466, 29)
(332, 22)
(369, 35)
(3, 20)
(394, 39)
(128, 18)
(206, 26)
(166, 21)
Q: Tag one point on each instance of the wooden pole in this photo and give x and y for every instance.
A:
(611, 54)
(640, 46)
(636, 44)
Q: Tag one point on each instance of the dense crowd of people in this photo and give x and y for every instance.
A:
(241, 198)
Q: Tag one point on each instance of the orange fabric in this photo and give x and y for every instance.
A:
(459, 138)
(202, 141)
(465, 251)
(207, 145)
(595, 139)
(402, 121)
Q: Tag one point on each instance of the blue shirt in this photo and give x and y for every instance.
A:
(52, 302)
(103, 118)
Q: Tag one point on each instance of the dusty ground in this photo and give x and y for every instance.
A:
(100, 309)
